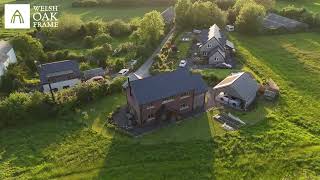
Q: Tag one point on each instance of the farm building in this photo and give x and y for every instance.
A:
(166, 96)
(238, 90)
(7, 56)
(59, 75)
(214, 45)
(275, 22)
(88, 74)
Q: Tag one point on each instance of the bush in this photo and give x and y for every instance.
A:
(88, 42)
(101, 52)
(102, 39)
(51, 45)
(20, 108)
(118, 27)
(91, 28)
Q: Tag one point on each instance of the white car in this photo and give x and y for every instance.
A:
(183, 63)
(123, 72)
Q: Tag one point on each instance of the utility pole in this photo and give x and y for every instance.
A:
(51, 91)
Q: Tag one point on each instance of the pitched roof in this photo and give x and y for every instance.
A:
(213, 32)
(167, 84)
(93, 72)
(275, 21)
(168, 14)
(57, 69)
(217, 49)
(242, 85)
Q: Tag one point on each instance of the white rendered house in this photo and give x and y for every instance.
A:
(7, 56)
(59, 75)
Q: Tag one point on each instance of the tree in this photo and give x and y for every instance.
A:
(102, 52)
(250, 18)
(118, 27)
(102, 39)
(29, 49)
(69, 25)
(267, 4)
(88, 41)
(205, 14)
(182, 10)
(13, 79)
(152, 28)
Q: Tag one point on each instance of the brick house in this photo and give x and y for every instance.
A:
(167, 96)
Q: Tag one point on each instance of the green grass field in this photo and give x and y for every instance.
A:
(313, 5)
(96, 13)
(280, 142)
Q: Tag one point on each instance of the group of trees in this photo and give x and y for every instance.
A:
(247, 15)
(301, 14)
(198, 14)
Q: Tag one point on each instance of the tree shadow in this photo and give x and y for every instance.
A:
(183, 150)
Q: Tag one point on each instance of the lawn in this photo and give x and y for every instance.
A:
(313, 5)
(281, 140)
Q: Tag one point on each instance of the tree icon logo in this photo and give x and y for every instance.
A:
(16, 15)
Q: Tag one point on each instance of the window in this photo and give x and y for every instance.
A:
(216, 59)
(185, 95)
(183, 107)
(209, 45)
(204, 53)
(150, 117)
(150, 106)
(66, 87)
(168, 99)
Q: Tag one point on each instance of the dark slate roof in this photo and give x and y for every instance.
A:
(167, 84)
(168, 15)
(274, 21)
(93, 72)
(217, 49)
(213, 32)
(60, 66)
(241, 84)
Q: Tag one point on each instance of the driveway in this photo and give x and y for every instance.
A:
(143, 71)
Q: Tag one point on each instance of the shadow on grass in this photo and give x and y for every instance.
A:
(180, 151)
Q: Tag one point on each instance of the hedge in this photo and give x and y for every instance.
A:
(22, 108)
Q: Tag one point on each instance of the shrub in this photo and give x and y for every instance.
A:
(101, 52)
(118, 27)
(88, 41)
(102, 39)
(51, 45)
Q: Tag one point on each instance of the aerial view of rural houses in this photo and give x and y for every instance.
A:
(163, 89)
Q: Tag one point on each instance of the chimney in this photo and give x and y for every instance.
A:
(129, 86)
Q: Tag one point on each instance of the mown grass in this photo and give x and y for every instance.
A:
(280, 142)
(313, 5)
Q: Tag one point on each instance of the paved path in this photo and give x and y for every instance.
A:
(143, 71)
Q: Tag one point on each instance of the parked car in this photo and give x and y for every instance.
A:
(224, 65)
(123, 72)
(183, 63)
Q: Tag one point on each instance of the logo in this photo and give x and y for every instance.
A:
(17, 16)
